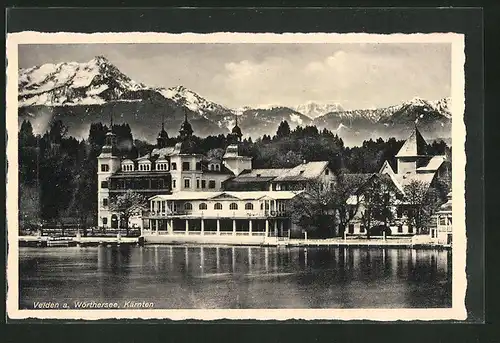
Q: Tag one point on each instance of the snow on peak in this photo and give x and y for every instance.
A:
(313, 109)
(72, 83)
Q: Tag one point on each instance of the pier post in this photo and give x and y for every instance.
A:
(234, 227)
(218, 227)
(202, 226)
(250, 227)
(187, 226)
(267, 227)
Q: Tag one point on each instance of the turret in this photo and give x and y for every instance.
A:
(162, 136)
(108, 163)
(412, 154)
(186, 130)
(236, 132)
(234, 162)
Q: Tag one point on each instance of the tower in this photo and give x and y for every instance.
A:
(412, 154)
(162, 136)
(236, 132)
(107, 164)
(186, 130)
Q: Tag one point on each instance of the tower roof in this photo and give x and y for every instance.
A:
(415, 145)
(186, 129)
(163, 133)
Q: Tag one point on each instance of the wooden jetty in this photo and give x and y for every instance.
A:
(46, 241)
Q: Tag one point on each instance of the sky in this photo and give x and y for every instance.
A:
(237, 74)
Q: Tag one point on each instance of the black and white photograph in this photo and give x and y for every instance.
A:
(239, 176)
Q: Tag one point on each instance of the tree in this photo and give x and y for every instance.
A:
(313, 209)
(422, 201)
(378, 199)
(345, 187)
(126, 205)
(283, 130)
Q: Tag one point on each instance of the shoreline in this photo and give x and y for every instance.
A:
(34, 241)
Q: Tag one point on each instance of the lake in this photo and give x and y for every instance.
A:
(195, 277)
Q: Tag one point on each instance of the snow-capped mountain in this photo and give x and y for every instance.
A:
(66, 84)
(82, 93)
(259, 121)
(313, 109)
(431, 116)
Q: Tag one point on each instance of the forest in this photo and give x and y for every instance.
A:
(58, 173)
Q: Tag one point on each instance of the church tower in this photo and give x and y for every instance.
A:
(412, 154)
(162, 136)
(236, 134)
(186, 130)
(108, 163)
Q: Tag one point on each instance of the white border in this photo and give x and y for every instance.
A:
(459, 280)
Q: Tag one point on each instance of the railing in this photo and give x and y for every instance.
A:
(226, 233)
(242, 233)
(179, 232)
(258, 233)
(194, 232)
(209, 233)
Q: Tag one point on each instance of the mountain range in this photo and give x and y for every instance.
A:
(82, 93)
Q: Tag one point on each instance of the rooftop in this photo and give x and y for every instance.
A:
(250, 195)
(415, 145)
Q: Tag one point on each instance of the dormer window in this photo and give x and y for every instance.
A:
(163, 166)
(145, 166)
(128, 166)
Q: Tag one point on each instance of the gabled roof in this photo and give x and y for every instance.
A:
(434, 163)
(268, 172)
(250, 195)
(305, 171)
(386, 168)
(415, 145)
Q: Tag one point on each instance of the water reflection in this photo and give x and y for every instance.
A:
(238, 277)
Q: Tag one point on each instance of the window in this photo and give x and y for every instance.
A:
(351, 228)
(198, 165)
(105, 202)
(185, 165)
(188, 206)
(211, 184)
(211, 167)
(400, 228)
(104, 167)
(197, 183)
(104, 184)
(218, 206)
(410, 229)
(248, 206)
(187, 183)
(233, 206)
(261, 206)
(203, 184)
(327, 171)
(174, 166)
(362, 229)
(203, 206)
(104, 221)
(174, 183)
(217, 167)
